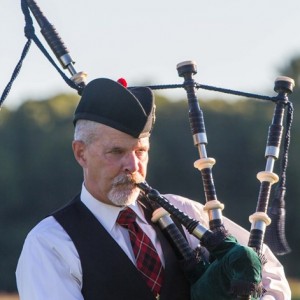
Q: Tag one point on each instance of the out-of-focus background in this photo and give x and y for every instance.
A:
(238, 45)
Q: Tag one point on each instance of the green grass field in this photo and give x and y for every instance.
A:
(295, 286)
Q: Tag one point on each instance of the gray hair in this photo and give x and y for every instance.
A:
(86, 131)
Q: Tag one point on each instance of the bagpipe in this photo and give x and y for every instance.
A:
(234, 272)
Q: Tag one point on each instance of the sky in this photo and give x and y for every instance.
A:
(237, 44)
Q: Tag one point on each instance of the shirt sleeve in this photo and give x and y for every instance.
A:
(273, 275)
(49, 267)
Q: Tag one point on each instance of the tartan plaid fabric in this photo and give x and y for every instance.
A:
(147, 259)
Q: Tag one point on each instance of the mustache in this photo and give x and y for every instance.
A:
(132, 179)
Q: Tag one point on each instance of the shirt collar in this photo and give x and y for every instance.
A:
(107, 214)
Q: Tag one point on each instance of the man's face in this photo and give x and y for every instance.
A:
(112, 163)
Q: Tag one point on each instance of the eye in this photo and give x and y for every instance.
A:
(116, 151)
(141, 153)
(114, 154)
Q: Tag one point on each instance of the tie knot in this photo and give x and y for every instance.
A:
(126, 217)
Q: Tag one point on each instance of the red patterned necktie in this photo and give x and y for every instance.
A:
(147, 259)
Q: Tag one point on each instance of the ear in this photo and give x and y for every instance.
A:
(79, 149)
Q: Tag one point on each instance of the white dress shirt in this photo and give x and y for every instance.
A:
(49, 267)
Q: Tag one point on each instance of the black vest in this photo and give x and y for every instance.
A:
(108, 274)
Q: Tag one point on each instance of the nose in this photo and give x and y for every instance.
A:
(131, 164)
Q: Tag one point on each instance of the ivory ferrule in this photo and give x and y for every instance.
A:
(79, 77)
(214, 209)
(213, 204)
(259, 217)
(267, 176)
(158, 214)
(204, 163)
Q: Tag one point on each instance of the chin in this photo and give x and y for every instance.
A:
(123, 198)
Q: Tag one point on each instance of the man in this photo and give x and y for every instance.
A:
(85, 250)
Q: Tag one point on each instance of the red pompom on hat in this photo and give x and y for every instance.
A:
(122, 81)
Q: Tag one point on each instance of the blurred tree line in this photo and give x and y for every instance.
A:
(39, 174)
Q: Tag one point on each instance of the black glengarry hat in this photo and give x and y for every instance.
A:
(130, 110)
